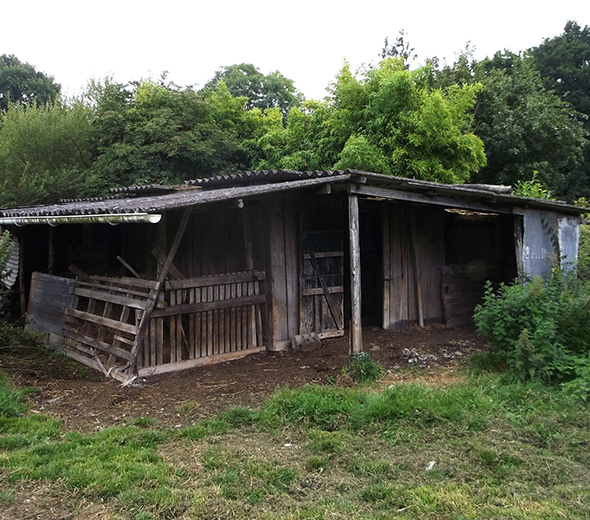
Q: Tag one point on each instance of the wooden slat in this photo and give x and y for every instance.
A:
(125, 280)
(204, 361)
(94, 343)
(91, 362)
(100, 320)
(325, 254)
(215, 280)
(112, 288)
(111, 298)
(209, 306)
(318, 290)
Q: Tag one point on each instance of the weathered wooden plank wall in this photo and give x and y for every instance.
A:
(413, 242)
(213, 242)
(283, 311)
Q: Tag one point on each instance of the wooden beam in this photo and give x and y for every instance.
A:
(161, 258)
(128, 267)
(188, 308)
(356, 333)
(196, 362)
(408, 196)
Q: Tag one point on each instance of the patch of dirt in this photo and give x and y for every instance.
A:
(181, 398)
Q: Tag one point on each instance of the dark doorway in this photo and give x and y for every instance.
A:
(371, 238)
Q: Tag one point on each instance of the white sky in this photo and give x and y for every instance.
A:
(306, 40)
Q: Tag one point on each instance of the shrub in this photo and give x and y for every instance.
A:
(541, 330)
(583, 264)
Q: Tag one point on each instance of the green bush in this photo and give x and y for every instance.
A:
(540, 330)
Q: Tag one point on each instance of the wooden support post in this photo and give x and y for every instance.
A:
(518, 247)
(416, 264)
(356, 337)
(51, 260)
(22, 287)
(249, 253)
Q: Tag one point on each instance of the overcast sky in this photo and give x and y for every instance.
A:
(306, 40)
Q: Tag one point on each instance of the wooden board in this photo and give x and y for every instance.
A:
(49, 297)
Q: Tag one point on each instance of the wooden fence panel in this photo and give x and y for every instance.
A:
(208, 316)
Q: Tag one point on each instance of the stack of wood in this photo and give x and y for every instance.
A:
(462, 288)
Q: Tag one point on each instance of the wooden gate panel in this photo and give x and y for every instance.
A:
(207, 316)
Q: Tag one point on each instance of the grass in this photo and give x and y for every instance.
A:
(485, 448)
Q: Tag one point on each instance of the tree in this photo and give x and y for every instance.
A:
(149, 133)
(271, 91)
(388, 121)
(45, 153)
(20, 83)
(564, 65)
(524, 127)
(400, 49)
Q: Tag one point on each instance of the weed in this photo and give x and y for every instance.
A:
(316, 463)
(11, 400)
(144, 421)
(367, 467)
(239, 416)
(541, 330)
(326, 442)
(362, 369)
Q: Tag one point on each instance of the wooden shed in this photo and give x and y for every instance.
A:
(160, 278)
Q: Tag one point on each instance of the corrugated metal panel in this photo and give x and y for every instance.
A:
(539, 243)
(569, 236)
(10, 272)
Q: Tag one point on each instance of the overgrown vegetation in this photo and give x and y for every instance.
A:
(540, 330)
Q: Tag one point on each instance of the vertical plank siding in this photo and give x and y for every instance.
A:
(207, 316)
(413, 237)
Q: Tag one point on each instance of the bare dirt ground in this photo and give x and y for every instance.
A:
(178, 399)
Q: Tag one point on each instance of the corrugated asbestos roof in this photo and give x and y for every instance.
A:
(158, 198)
(189, 195)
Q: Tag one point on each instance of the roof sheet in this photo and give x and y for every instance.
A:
(157, 198)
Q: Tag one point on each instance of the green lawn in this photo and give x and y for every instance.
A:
(481, 449)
